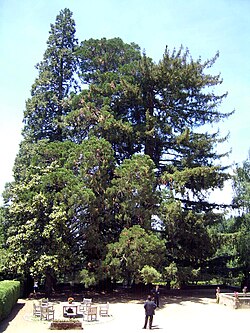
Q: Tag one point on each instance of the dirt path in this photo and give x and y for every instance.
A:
(192, 315)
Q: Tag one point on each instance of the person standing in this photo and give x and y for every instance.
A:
(218, 295)
(149, 307)
(156, 293)
(35, 286)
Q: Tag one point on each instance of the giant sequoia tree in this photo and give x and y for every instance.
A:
(48, 104)
(127, 147)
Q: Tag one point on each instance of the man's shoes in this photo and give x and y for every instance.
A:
(144, 328)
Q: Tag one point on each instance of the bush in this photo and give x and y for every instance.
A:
(150, 274)
(88, 278)
(9, 294)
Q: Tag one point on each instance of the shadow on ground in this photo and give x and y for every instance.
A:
(5, 323)
(177, 296)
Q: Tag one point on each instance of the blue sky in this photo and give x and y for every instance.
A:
(204, 26)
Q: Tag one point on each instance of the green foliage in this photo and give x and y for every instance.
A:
(3, 262)
(42, 233)
(135, 249)
(188, 240)
(239, 226)
(179, 275)
(195, 179)
(162, 102)
(133, 192)
(99, 161)
(105, 57)
(87, 277)
(47, 106)
(242, 186)
(150, 275)
(56, 207)
(2, 233)
(9, 294)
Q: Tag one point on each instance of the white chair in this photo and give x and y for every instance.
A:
(91, 313)
(104, 309)
(86, 302)
(36, 310)
(47, 312)
(44, 301)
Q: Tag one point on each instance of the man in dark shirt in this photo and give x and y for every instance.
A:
(156, 293)
(149, 307)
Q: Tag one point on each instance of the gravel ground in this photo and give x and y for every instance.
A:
(187, 314)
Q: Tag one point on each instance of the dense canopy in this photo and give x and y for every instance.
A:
(115, 144)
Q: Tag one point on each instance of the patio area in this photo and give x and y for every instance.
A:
(177, 314)
(86, 311)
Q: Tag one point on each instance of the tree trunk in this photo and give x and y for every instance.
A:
(49, 284)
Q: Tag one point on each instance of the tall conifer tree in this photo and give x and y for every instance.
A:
(48, 102)
(131, 107)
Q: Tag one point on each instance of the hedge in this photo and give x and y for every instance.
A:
(9, 294)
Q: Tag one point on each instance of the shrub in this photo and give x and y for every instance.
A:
(150, 274)
(9, 294)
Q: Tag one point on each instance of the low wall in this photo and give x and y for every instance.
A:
(237, 301)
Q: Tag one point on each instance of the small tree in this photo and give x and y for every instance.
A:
(179, 276)
(150, 275)
(135, 249)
